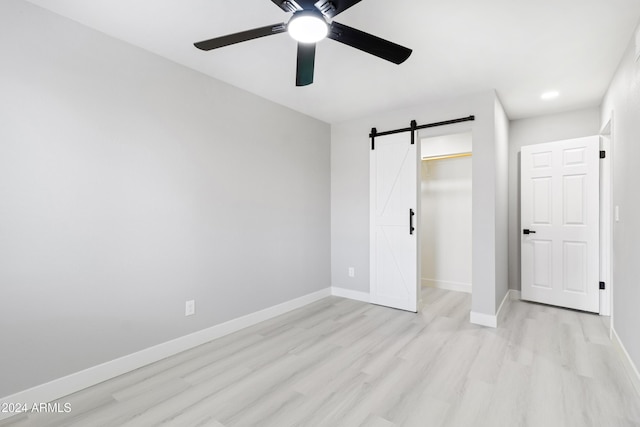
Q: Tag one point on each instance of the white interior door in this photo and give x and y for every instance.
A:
(560, 184)
(394, 242)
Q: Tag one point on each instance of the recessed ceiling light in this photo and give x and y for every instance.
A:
(550, 95)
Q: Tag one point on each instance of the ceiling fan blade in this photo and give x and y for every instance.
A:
(287, 5)
(331, 8)
(241, 37)
(306, 62)
(369, 43)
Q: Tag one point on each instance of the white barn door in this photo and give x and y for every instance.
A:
(394, 218)
(560, 216)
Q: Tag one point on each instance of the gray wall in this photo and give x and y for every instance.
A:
(350, 148)
(130, 184)
(536, 130)
(622, 102)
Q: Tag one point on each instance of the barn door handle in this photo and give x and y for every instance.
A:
(411, 228)
(527, 231)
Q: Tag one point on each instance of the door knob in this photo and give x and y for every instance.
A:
(527, 231)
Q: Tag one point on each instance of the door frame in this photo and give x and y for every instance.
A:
(606, 219)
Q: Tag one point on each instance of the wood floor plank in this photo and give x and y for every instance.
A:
(472, 405)
(339, 362)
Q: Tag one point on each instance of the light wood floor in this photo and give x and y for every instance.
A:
(339, 362)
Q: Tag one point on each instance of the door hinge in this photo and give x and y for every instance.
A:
(602, 286)
(603, 154)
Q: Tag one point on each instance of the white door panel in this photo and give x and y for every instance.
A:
(560, 184)
(394, 279)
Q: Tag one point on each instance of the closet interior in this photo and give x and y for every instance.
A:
(446, 209)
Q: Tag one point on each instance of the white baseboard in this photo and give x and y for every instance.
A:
(629, 366)
(65, 386)
(489, 320)
(449, 286)
(350, 294)
(482, 319)
(506, 301)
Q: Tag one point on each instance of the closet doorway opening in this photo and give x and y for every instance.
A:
(445, 248)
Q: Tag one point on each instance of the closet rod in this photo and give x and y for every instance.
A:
(448, 156)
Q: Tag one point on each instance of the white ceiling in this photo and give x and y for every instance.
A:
(520, 48)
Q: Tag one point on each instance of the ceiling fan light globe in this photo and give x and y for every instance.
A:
(307, 28)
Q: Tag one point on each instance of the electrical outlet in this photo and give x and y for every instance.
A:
(190, 308)
(352, 272)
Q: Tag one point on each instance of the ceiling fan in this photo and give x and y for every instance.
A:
(310, 24)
